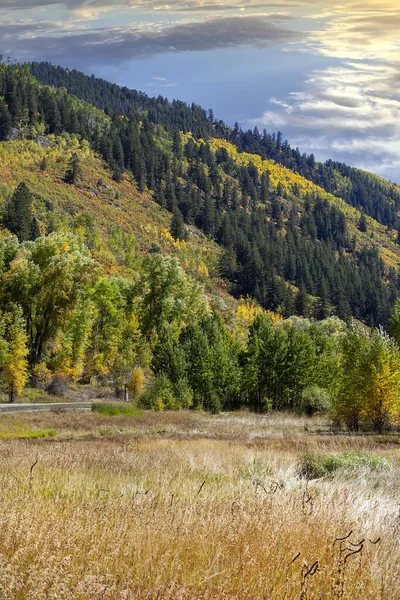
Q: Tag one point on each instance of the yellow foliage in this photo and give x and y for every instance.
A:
(246, 313)
(41, 375)
(15, 370)
(136, 382)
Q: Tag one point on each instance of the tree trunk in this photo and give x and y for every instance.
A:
(11, 394)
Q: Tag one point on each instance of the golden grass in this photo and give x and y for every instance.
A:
(191, 506)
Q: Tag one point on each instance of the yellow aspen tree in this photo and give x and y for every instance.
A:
(382, 391)
(15, 370)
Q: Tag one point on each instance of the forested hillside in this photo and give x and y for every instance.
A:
(365, 191)
(133, 226)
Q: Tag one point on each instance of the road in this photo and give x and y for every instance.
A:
(6, 408)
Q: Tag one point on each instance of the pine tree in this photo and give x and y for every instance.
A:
(18, 214)
(178, 229)
(74, 171)
(43, 164)
(11, 98)
(5, 122)
(301, 302)
(362, 226)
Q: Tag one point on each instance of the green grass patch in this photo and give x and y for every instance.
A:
(28, 435)
(313, 466)
(114, 410)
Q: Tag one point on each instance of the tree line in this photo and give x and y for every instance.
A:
(63, 320)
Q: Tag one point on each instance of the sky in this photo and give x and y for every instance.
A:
(325, 73)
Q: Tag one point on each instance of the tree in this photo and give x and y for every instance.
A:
(362, 225)
(178, 229)
(169, 295)
(394, 325)
(43, 164)
(15, 365)
(74, 171)
(349, 402)
(301, 301)
(382, 391)
(5, 122)
(116, 346)
(264, 364)
(47, 278)
(18, 214)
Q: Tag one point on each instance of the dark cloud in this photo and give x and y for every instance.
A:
(171, 5)
(113, 45)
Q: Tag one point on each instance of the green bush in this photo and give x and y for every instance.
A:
(159, 395)
(163, 395)
(313, 466)
(183, 393)
(315, 400)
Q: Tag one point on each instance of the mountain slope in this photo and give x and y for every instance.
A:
(286, 241)
(114, 218)
(365, 191)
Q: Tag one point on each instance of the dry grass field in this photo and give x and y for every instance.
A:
(191, 506)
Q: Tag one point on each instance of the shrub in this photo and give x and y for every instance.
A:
(28, 435)
(183, 393)
(41, 376)
(159, 395)
(315, 400)
(313, 466)
(136, 382)
(59, 385)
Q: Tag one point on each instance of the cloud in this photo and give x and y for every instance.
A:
(345, 111)
(162, 82)
(367, 31)
(157, 5)
(113, 45)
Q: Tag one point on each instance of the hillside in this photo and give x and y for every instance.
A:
(118, 222)
(288, 242)
(365, 191)
(138, 255)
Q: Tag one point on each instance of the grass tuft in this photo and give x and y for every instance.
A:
(313, 466)
(28, 435)
(114, 410)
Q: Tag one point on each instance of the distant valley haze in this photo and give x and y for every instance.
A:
(324, 73)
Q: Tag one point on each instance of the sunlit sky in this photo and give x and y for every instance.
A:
(325, 73)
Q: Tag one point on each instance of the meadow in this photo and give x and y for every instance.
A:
(188, 505)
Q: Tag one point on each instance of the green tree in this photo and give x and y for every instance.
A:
(394, 325)
(5, 122)
(169, 295)
(73, 174)
(18, 214)
(47, 278)
(362, 225)
(264, 365)
(178, 229)
(116, 346)
(350, 400)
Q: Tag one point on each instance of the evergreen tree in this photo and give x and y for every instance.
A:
(74, 171)
(178, 229)
(5, 122)
(362, 225)
(18, 214)
(301, 301)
